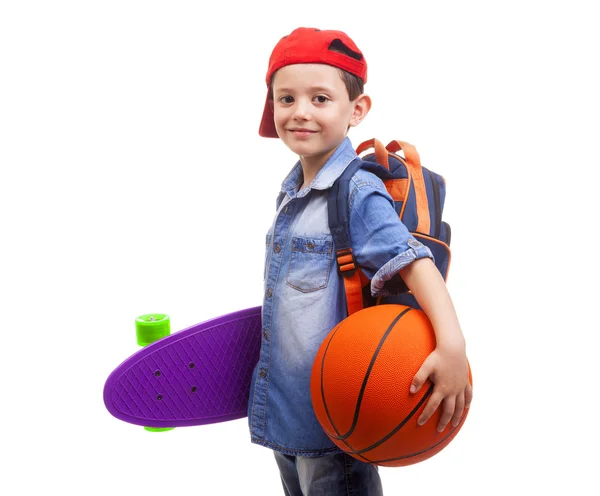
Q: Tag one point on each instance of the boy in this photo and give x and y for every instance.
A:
(315, 94)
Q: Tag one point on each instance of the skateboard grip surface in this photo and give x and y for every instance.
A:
(199, 375)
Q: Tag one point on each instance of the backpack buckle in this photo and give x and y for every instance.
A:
(346, 262)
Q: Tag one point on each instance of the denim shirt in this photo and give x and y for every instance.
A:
(304, 295)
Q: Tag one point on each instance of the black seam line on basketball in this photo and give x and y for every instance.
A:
(322, 391)
(418, 452)
(366, 378)
(425, 450)
(402, 424)
(350, 448)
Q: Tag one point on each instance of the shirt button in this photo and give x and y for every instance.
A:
(269, 293)
(263, 374)
(310, 246)
(277, 248)
(414, 242)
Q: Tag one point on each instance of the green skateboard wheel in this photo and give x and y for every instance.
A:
(152, 327)
(148, 329)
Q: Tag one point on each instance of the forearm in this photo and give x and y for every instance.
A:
(429, 288)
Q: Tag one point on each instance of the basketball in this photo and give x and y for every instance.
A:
(360, 383)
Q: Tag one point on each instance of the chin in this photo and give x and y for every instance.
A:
(305, 149)
(307, 152)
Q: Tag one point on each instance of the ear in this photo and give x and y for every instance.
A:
(361, 105)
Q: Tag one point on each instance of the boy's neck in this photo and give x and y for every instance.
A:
(312, 165)
(309, 172)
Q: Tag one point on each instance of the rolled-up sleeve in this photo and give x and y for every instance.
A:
(381, 242)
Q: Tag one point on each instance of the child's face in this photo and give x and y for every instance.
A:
(312, 109)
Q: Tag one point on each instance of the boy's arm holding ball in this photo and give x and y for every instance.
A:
(381, 244)
(447, 365)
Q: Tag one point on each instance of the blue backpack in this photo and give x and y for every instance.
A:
(418, 195)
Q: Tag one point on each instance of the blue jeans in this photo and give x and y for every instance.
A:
(331, 475)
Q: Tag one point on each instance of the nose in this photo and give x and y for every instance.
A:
(302, 110)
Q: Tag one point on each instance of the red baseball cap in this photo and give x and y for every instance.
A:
(311, 46)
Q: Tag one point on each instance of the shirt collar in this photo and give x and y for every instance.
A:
(333, 168)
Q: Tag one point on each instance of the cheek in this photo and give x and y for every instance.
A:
(338, 124)
(278, 117)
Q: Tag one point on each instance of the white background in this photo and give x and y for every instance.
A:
(133, 180)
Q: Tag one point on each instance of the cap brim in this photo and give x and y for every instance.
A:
(267, 123)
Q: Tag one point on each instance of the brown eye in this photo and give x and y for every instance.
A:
(321, 99)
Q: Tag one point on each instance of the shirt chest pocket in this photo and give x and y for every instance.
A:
(310, 264)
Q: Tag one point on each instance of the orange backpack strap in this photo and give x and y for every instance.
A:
(339, 222)
(413, 163)
(381, 154)
(352, 281)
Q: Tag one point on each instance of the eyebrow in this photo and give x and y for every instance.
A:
(326, 89)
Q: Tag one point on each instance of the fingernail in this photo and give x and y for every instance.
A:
(440, 429)
(420, 421)
(413, 389)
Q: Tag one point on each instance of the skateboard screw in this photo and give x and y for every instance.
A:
(194, 389)
(159, 397)
(192, 365)
(157, 373)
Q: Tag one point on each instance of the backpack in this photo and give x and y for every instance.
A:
(418, 195)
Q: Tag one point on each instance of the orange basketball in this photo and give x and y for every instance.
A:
(360, 387)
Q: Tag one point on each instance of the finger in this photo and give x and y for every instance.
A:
(421, 376)
(458, 409)
(431, 406)
(447, 412)
(468, 396)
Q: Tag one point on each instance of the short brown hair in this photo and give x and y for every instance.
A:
(354, 84)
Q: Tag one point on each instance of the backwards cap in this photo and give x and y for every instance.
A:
(311, 46)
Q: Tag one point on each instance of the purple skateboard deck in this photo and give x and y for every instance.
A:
(199, 375)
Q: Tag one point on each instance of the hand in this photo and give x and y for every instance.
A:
(449, 372)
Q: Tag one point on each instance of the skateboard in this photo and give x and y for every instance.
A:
(199, 375)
